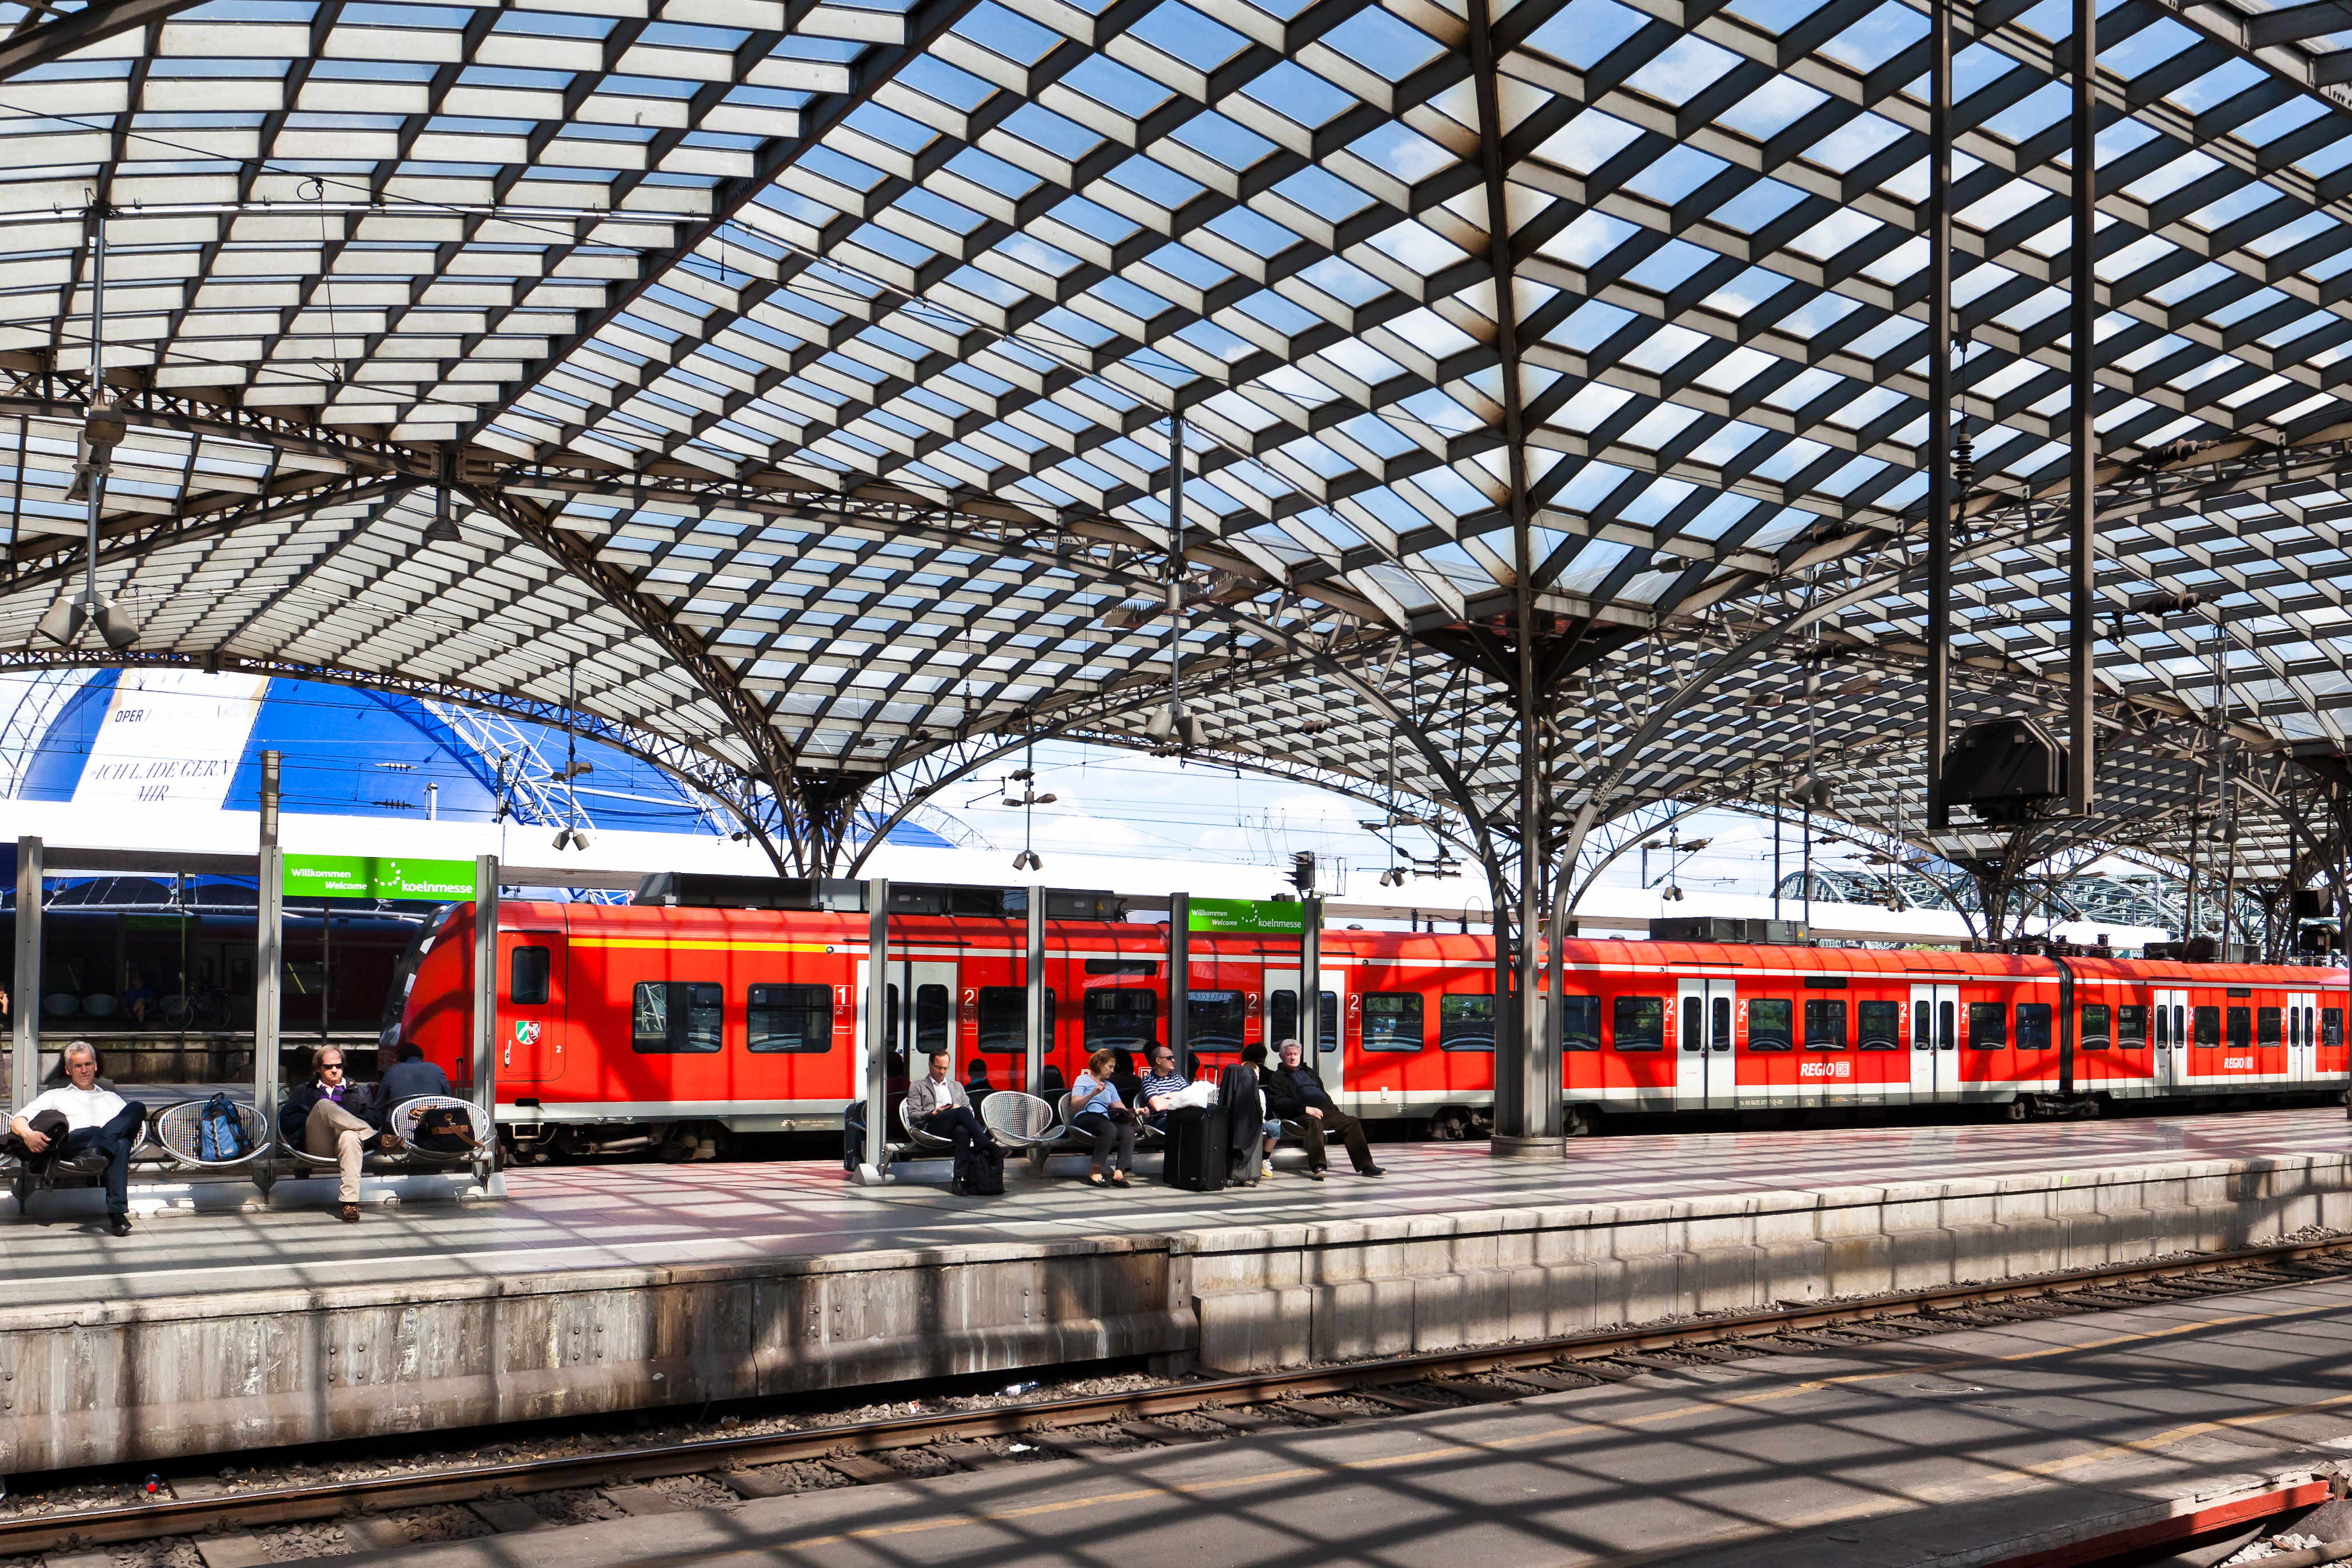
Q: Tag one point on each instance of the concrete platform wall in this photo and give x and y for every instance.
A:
(151, 1380)
(207, 1375)
(1287, 1296)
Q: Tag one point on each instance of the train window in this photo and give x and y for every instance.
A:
(2331, 1026)
(1122, 966)
(1282, 1019)
(2266, 1026)
(1824, 1025)
(1121, 1019)
(2242, 1029)
(2131, 1027)
(1465, 1023)
(1882, 1026)
(932, 1015)
(676, 1016)
(2097, 1026)
(527, 976)
(1988, 1025)
(1004, 1019)
(1579, 1023)
(788, 1018)
(1769, 1025)
(1213, 1018)
(2209, 1024)
(2034, 1026)
(1640, 1023)
(1392, 1021)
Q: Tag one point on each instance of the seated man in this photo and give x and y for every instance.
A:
(409, 1077)
(1153, 1094)
(81, 1118)
(1294, 1094)
(322, 1119)
(937, 1104)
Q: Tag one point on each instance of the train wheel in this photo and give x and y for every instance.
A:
(1582, 1122)
(2020, 1109)
(1449, 1126)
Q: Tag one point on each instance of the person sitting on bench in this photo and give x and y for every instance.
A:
(1293, 1092)
(1154, 1093)
(81, 1118)
(322, 1118)
(937, 1104)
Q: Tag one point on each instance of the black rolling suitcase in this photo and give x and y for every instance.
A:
(1196, 1150)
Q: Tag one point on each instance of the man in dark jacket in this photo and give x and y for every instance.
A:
(328, 1117)
(407, 1079)
(1294, 1094)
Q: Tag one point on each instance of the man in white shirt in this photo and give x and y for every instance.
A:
(81, 1118)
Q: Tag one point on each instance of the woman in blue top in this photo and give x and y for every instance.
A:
(1099, 1110)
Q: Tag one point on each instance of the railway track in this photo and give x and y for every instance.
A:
(1229, 1405)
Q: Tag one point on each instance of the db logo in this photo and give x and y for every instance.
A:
(526, 1032)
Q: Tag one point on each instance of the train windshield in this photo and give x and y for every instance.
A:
(404, 974)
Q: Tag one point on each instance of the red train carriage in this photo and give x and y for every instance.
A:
(627, 1025)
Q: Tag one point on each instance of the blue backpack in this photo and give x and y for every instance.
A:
(220, 1131)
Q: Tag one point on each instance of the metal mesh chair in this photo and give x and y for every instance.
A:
(480, 1138)
(919, 1137)
(177, 1130)
(1019, 1121)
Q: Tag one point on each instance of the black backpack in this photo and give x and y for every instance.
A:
(980, 1170)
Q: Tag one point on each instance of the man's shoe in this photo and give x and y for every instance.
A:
(1374, 1170)
(120, 1224)
(1315, 1173)
(348, 1213)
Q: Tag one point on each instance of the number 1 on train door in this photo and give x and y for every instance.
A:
(1935, 1042)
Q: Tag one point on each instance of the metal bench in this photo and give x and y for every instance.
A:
(481, 1137)
(178, 1130)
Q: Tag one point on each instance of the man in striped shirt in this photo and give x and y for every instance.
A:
(1158, 1085)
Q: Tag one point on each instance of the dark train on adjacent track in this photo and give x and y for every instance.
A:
(641, 1026)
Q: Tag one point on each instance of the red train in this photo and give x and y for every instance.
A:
(641, 1026)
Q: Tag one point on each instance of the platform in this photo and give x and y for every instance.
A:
(598, 1288)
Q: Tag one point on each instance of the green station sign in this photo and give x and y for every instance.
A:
(376, 876)
(1249, 916)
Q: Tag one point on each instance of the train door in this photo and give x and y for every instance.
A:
(1282, 1023)
(530, 1008)
(1935, 1042)
(2302, 1037)
(2168, 1030)
(1705, 1066)
(918, 1016)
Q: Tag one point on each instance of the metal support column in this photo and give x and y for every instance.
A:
(1034, 974)
(1310, 981)
(485, 1003)
(1943, 499)
(25, 995)
(268, 956)
(1527, 1076)
(2082, 577)
(1179, 976)
(875, 1168)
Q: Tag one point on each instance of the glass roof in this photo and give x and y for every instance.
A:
(802, 371)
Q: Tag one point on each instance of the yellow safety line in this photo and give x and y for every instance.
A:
(1553, 1434)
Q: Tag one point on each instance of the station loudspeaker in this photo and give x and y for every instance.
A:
(1171, 729)
(63, 622)
(1027, 860)
(2004, 768)
(1812, 790)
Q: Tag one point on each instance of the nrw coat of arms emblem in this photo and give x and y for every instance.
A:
(526, 1032)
